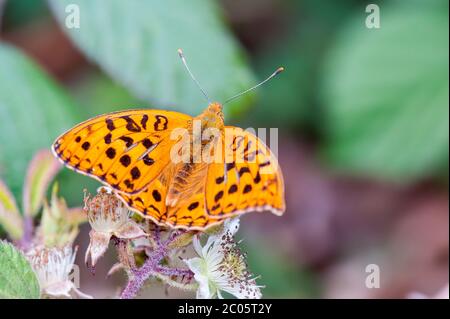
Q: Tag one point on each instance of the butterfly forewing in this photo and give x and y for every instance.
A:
(125, 150)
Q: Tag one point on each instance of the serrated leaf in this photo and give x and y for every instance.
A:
(136, 43)
(17, 278)
(10, 218)
(33, 112)
(41, 172)
(386, 92)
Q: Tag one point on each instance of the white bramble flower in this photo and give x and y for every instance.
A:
(221, 266)
(108, 217)
(53, 267)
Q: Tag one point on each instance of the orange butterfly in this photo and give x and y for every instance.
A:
(137, 154)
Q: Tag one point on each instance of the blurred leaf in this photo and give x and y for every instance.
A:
(20, 12)
(99, 94)
(76, 216)
(41, 172)
(280, 277)
(289, 101)
(136, 43)
(387, 93)
(17, 278)
(33, 112)
(10, 218)
(72, 185)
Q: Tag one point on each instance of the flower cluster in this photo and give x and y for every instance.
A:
(108, 217)
(49, 246)
(53, 267)
(221, 266)
(147, 252)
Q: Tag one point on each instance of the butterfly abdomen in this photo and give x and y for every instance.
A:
(188, 179)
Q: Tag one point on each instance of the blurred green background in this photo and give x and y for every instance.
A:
(362, 113)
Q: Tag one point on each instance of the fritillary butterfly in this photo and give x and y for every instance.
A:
(130, 151)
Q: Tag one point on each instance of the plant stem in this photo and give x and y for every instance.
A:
(126, 257)
(151, 267)
(176, 284)
(167, 271)
(27, 237)
(139, 276)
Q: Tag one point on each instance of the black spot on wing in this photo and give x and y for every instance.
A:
(108, 138)
(144, 121)
(128, 184)
(193, 206)
(219, 180)
(233, 189)
(257, 178)
(135, 173)
(128, 140)
(244, 170)
(110, 124)
(156, 195)
(218, 196)
(111, 152)
(86, 146)
(247, 189)
(147, 143)
(230, 166)
(125, 160)
(148, 160)
(132, 126)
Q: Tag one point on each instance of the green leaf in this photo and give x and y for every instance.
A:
(99, 94)
(41, 172)
(33, 112)
(386, 92)
(10, 218)
(136, 43)
(21, 12)
(17, 278)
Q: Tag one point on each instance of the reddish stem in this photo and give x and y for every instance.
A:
(152, 266)
(27, 237)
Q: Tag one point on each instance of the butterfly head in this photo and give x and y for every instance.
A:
(212, 116)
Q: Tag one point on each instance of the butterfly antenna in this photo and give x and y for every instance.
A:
(278, 71)
(183, 59)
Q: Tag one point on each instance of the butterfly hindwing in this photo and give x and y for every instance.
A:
(125, 150)
(151, 203)
(191, 214)
(248, 179)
